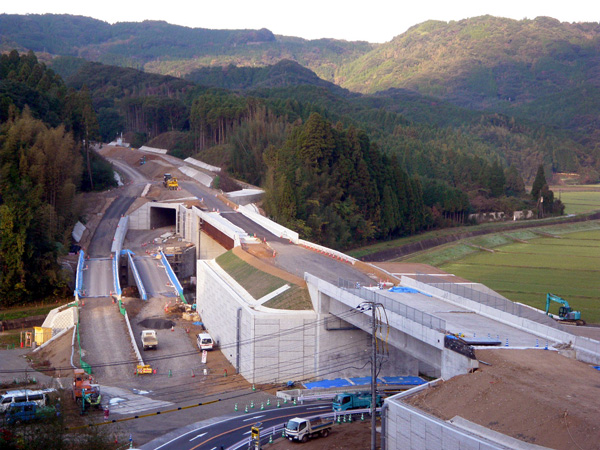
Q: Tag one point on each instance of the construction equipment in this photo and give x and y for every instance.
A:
(170, 182)
(85, 392)
(149, 339)
(300, 429)
(565, 313)
(343, 402)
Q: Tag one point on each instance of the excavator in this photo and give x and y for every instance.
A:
(565, 313)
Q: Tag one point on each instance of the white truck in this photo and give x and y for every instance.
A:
(299, 429)
(149, 339)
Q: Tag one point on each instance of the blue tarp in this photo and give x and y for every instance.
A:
(410, 381)
(363, 380)
(338, 382)
(406, 290)
(596, 367)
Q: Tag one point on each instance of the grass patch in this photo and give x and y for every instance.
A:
(10, 339)
(22, 312)
(259, 283)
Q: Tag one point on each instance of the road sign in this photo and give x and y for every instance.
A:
(204, 356)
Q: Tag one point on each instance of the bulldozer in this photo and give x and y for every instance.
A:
(170, 182)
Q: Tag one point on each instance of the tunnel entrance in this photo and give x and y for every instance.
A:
(162, 217)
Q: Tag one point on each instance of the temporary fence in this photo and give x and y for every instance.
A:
(85, 366)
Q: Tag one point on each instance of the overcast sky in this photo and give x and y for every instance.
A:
(370, 20)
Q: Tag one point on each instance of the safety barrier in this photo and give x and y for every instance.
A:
(116, 284)
(172, 276)
(327, 252)
(269, 225)
(79, 275)
(136, 276)
(85, 366)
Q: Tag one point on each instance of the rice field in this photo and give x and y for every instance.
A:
(565, 264)
(577, 202)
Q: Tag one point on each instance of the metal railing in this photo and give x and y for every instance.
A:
(392, 305)
(487, 299)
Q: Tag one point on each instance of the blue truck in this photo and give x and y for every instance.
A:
(343, 402)
(28, 411)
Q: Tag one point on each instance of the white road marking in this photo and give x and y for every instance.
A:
(318, 407)
(252, 418)
(200, 435)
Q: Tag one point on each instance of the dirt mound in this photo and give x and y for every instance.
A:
(536, 396)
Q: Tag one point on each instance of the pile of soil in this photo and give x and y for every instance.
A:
(536, 396)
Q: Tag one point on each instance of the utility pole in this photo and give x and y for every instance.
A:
(373, 377)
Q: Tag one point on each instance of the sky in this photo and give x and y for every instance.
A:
(369, 20)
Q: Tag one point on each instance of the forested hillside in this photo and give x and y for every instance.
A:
(43, 165)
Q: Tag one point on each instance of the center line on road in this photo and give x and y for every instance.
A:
(200, 435)
(252, 418)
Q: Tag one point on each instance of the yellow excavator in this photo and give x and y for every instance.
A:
(170, 182)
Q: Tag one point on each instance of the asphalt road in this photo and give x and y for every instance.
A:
(226, 431)
(97, 277)
(154, 277)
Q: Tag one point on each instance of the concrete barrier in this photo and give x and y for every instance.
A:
(268, 224)
(79, 275)
(116, 283)
(160, 151)
(202, 165)
(327, 251)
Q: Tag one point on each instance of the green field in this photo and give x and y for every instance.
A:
(577, 202)
(567, 265)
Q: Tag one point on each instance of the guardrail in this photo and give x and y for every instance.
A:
(390, 304)
(136, 276)
(172, 276)
(116, 283)
(78, 275)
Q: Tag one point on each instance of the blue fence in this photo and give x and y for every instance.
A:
(172, 277)
(79, 275)
(116, 283)
(136, 275)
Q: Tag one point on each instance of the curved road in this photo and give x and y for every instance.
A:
(227, 431)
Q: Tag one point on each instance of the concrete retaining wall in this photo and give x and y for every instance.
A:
(408, 428)
(201, 177)
(586, 349)
(160, 151)
(265, 345)
(202, 165)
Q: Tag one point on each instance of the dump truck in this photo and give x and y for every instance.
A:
(299, 429)
(170, 182)
(343, 402)
(85, 391)
(149, 340)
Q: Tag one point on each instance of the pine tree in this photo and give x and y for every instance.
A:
(538, 183)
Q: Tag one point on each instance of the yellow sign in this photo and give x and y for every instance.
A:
(143, 369)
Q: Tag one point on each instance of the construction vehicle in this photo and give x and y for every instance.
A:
(149, 340)
(299, 429)
(565, 312)
(85, 392)
(343, 402)
(170, 182)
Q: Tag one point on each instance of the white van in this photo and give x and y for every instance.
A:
(205, 342)
(40, 397)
